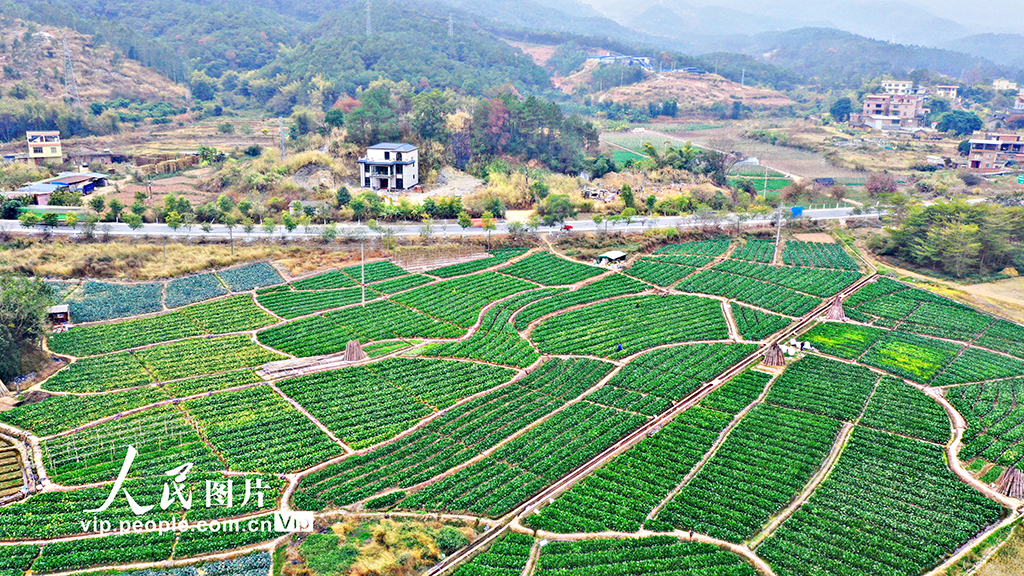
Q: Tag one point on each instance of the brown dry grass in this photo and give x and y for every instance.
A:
(1009, 559)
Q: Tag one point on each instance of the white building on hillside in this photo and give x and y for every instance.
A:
(390, 166)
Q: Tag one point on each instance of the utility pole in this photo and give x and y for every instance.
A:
(778, 230)
(743, 78)
(451, 25)
(284, 151)
(70, 83)
(362, 282)
(369, 22)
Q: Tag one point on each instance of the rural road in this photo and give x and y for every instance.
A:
(440, 228)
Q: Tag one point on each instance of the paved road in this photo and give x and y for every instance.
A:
(451, 229)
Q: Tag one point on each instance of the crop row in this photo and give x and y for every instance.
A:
(460, 300)
(497, 347)
(821, 283)
(652, 556)
(451, 439)
(674, 372)
(363, 407)
(755, 250)
(620, 495)
(660, 273)
(890, 506)
(329, 333)
(755, 324)
(234, 314)
(876, 289)
(161, 435)
(898, 407)
(757, 471)
(953, 322)
(630, 401)
(691, 260)
(715, 247)
(374, 271)
(622, 327)
(550, 270)
(257, 430)
(401, 283)
(824, 386)
(96, 301)
(994, 413)
(817, 254)
(738, 393)
(506, 557)
(250, 277)
(327, 281)
(750, 291)
(516, 471)
(290, 305)
(497, 257)
(976, 365)
(608, 287)
(191, 289)
(1005, 337)
(910, 356)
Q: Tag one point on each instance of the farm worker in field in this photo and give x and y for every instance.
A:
(620, 347)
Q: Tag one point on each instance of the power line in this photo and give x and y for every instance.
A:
(70, 83)
(369, 22)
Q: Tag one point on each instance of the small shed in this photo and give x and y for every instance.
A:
(354, 352)
(59, 314)
(612, 256)
(1010, 483)
(836, 312)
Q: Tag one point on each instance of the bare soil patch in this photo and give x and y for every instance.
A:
(816, 237)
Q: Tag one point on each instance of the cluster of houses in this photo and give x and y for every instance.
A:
(902, 107)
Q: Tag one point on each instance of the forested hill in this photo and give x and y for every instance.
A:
(297, 39)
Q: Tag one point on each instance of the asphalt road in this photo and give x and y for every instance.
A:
(441, 228)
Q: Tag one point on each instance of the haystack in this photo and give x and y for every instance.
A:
(354, 352)
(774, 357)
(1011, 483)
(836, 312)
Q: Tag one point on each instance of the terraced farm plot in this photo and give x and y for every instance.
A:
(374, 271)
(290, 305)
(232, 314)
(197, 356)
(460, 300)
(256, 430)
(817, 254)
(749, 291)
(758, 470)
(331, 280)
(755, 251)
(944, 321)
(674, 372)
(191, 289)
(715, 247)
(524, 466)
(100, 374)
(400, 284)
(630, 401)
(738, 393)
(56, 414)
(357, 406)
(995, 420)
(329, 333)
(655, 555)
(890, 506)
(250, 277)
(497, 257)
(609, 287)
(550, 270)
(913, 357)
(898, 407)
(821, 283)
(161, 435)
(1004, 337)
(363, 406)
(619, 328)
(450, 440)
(17, 559)
(658, 272)
(824, 386)
(130, 548)
(106, 338)
(976, 365)
(96, 301)
(620, 495)
(506, 557)
(755, 324)
(691, 260)
(847, 341)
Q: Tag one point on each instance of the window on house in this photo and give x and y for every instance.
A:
(387, 155)
(398, 156)
(398, 169)
(38, 150)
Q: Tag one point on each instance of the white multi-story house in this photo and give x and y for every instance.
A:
(898, 87)
(1003, 84)
(390, 166)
